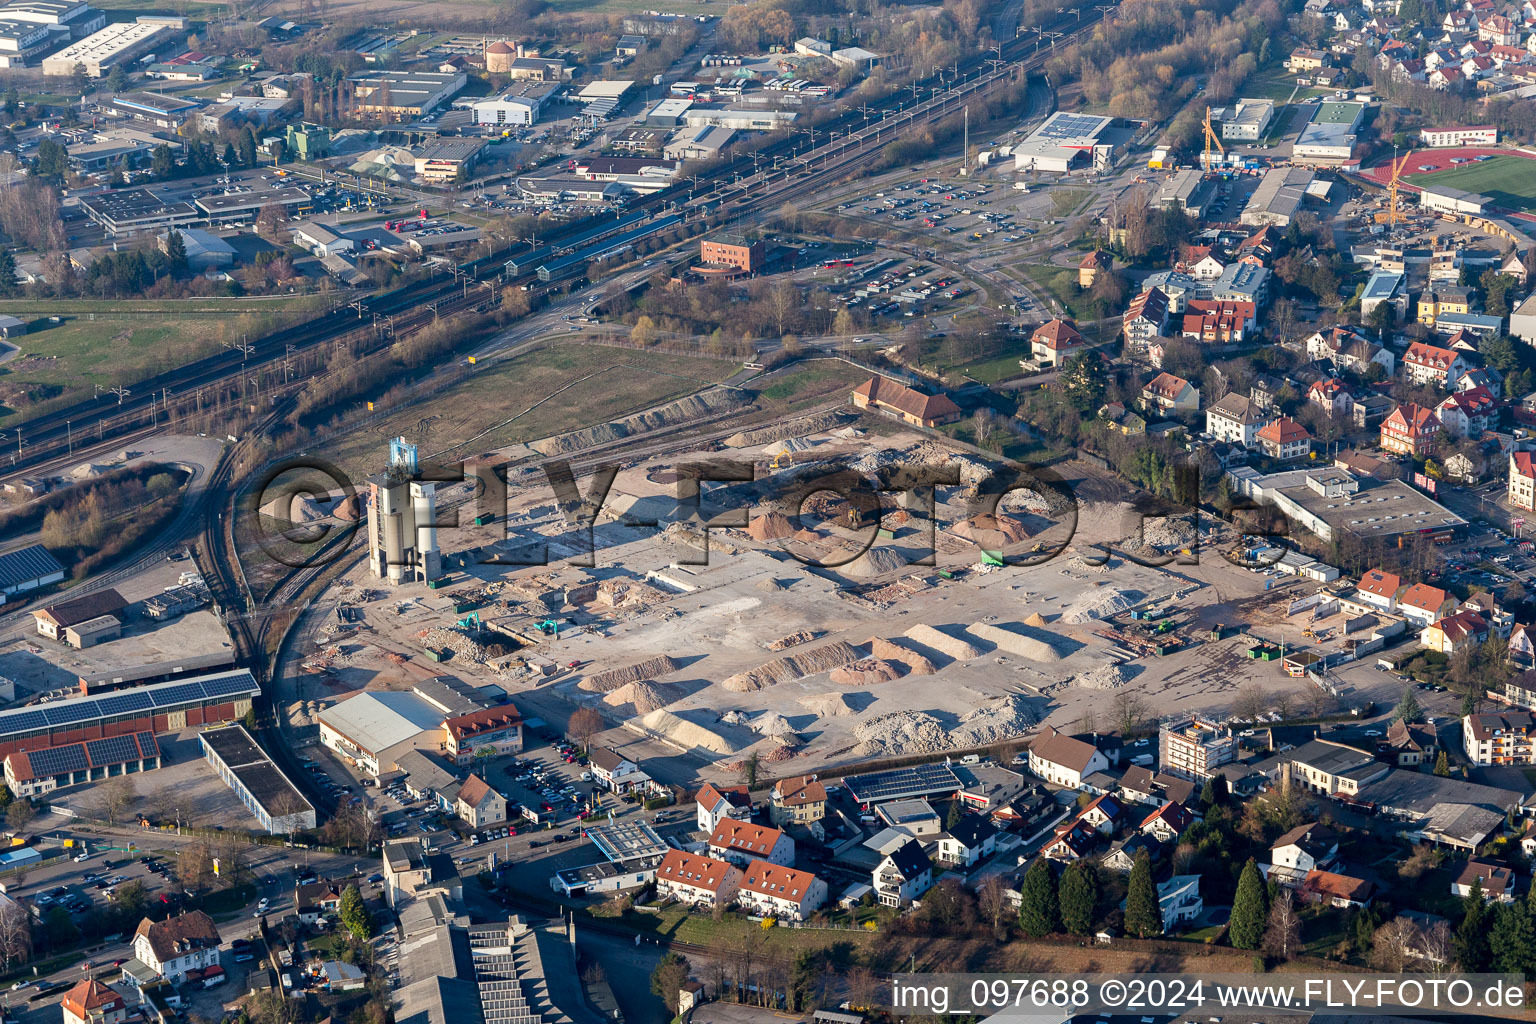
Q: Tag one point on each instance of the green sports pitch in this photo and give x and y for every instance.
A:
(1510, 181)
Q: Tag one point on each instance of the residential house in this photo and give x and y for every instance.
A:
(1219, 322)
(1522, 648)
(1424, 363)
(1332, 396)
(1063, 760)
(714, 803)
(1207, 267)
(1347, 349)
(1453, 632)
(1177, 286)
(498, 729)
(1442, 298)
(1410, 430)
(1335, 890)
(1422, 604)
(799, 800)
(1123, 852)
(88, 1001)
(1305, 848)
(1264, 392)
(1236, 419)
(1054, 342)
(478, 805)
(612, 770)
(1139, 785)
(1411, 744)
(1146, 317)
(1242, 282)
(697, 880)
(903, 875)
(1481, 377)
(1468, 413)
(313, 900)
(1168, 822)
(1497, 881)
(741, 841)
(1284, 439)
(785, 893)
(1332, 769)
(1072, 841)
(1104, 813)
(1499, 737)
(1501, 621)
(179, 944)
(906, 404)
(973, 839)
(1165, 394)
(1179, 899)
(1090, 266)
(1522, 481)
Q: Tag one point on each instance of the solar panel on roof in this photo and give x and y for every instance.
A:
(112, 750)
(23, 721)
(67, 714)
(178, 695)
(58, 760)
(123, 704)
(147, 745)
(228, 685)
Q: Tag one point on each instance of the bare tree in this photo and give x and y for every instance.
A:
(15, 934)
(1435, 947)
(1129, 711)
(114, 797)
(194, 866)
(584, 724)
(1251, 702)
(20, 814)
(1283, 936)
(992, 900)
(1393, 944)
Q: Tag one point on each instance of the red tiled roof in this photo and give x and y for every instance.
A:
(744, 836)
(884, 391)
(694, 870)
(1423, 597)
(1381, 584)
(1057, 334)
(1283, 431)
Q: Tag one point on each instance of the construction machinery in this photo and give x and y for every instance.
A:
(1394, 214)
(549, 627)
(782, 458)
(1211, 139)
(471, 621)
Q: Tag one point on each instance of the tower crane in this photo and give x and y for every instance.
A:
(1210, 139)
(1393, 214)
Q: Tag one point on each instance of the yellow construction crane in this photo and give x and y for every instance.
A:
(1210, 139)
(1393, 214)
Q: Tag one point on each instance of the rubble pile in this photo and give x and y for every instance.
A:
(1101, 605)
(827, 705)
(887, 650)
(900, 732)
(645, 696)
(1103, 677)
(795, 639)
(792, 667)
(611, 679)
(865, 672)
(1001, 719)
(456, 641)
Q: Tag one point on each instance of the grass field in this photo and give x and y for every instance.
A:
(69, 359)
(804, 384)
(1510, 181)
(497, 407)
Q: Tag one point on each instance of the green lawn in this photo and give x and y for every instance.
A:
(806, 383)
(1510, 181)
(1065, 200)
(998, 367)
(1062, 283)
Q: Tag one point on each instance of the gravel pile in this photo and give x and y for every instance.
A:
(1104, 677)
(1006, 640)
(827, 705)
(645, 697)
(795, 666)
(684, 410)
(611, 679)
(887, 650)
(775, 725)
(875, 562)
(1000, 719)
(1102, 605)
(901, 732)
(941, 642)
(865, 672)
(814, 424)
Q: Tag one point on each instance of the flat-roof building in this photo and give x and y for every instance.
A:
(135, 210)
(115, 44)
(1444, 199)
(739, 119)
(1330, 502)
(668, 113)
(76, 17)
(371, 729)
(519, 104)
(1193, 748)
(1249, 120)
(246, 206)
(443, 160)
(1329, 137)
(1067, 140)
(21, 41)
(249, 772)
(403, 93)
(153, 108)
(733, 251)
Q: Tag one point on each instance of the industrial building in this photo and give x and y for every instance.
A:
(521, 104)
(402, 517)
(668, 113)
(1278, 198)
(135, 210)
(1329, 137)
(916, 782)
(1444, 199)
(159, 708)
(1331, 502)
(698, 143)
(111, 147)
(249, 772)
(27, 569)
(371, 730)
(33, 773)
(115, 44)
(602, 98)
(738, 119)
(22, 41)
(403, 94)
(246, 206)
(1066, 141)
(205, 251)
(444, 160)
(72, 19)
(733, 251)
(1247, 121)
(1187, 190)
(167, 112)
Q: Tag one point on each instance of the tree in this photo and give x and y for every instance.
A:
(955, 816)
(80, 78)
(1513, 940)
(15, 934)
(1215, 793)
(643, 333)
(52, 161)
(583, 725)
(194, 866)
(1442, 765)
(117, 78)
(176, 253)
(162, 164)
(1143, 912)
(245, 149)
(1079, 897)
(114, 796)
(1469, 700)
(668, 979)
(992, 901)
(1283, 936)
(1392, 945)
(354, 914)
(1038, 912)
(1248, 911)
(1408, 709)
(249, 718)
(130, 899)
(19, 815)
(1471, 946)
(1129, 709)
(1082, 382)
(750, 768)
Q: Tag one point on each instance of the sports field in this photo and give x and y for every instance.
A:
(1510, 181)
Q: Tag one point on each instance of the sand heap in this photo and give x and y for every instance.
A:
(771, 526)
(295, 508)
(999, 719)
(788, 446)
(1035, 619)
(1029, 647)
(886, 650)
(679, 732)
(795, 639)
(646, 696)
(865, 672)
(875, 562)
(1101, 605)
(828, 705)
(942, 642)
(792, 667)
(775, 725)
(1103, 677)
(812, 424)
(991, 532)
(611, 679)
(901, 732)
(685, 410)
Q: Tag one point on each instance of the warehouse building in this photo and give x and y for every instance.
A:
(54, 619)
(249, 772)
(668, 113)
(444, 160)
(69, 19)
(371, 730)
(738, 119)
(1187, 190)
(698, 143)
(519, 105)
(246, 206)
(21, 42)
(135, 210)
(116, 44)
(166, 112)
(26, 569)
(1067, 140)
(1278, 198)
(1248, 121)
(404, 94)
(1329, 138)
(1444, 199)
(205, 251)
(156, 709)
(33, 773)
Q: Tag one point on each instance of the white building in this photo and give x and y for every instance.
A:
(1483, 135)
(171, 948)
(1499, 737)
(1236, 419)
(713, 805)
(519, 105)
(773, 890)
(1179, 899)
(903, 875)
(100, 52)
(1064, 761)
(696, 880)
(321, 240)
(742, 841)
(371, 729)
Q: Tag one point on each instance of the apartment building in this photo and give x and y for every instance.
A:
(1193, 748)
(1499, 737)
